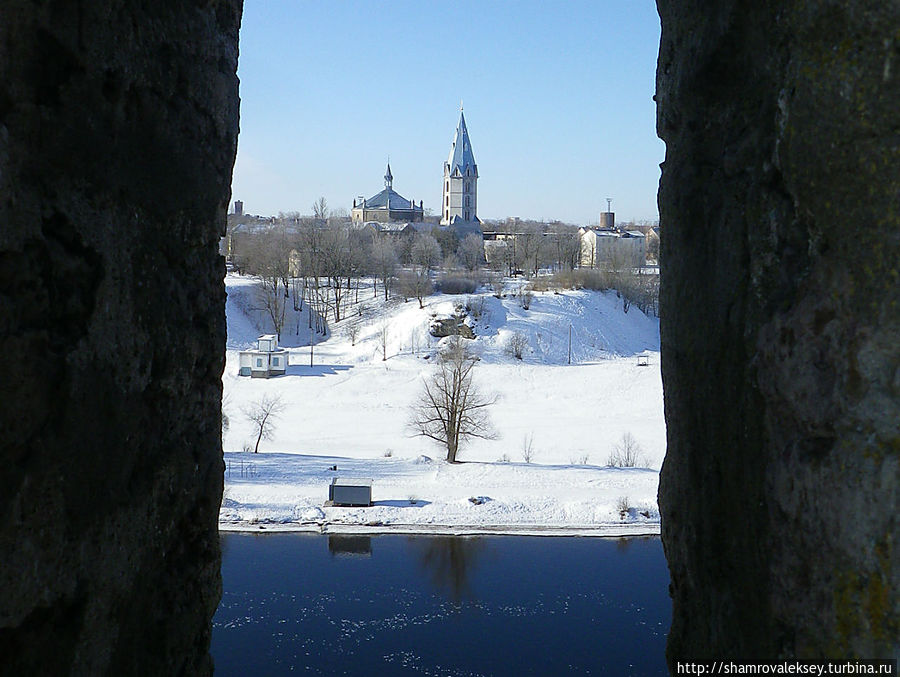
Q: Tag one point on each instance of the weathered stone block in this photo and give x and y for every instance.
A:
(779, 319)
(118, 125)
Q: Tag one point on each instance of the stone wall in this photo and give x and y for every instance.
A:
(118, 125)
(780, 304)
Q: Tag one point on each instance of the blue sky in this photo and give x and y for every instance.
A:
(557, 97)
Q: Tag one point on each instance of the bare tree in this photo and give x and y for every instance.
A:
(626, 453)
(383, 336)
(384, 262)
(528, 448)
(262, 415)
(447, 240)
(426, 252)
(450, 263)
(450, 409)
(471, 251)
(309, 244)
(267, 256)
(353, 331)
(336, 261)
(320, 210)
(426, 255)
(273, 302)
(415, 283)
(531, 248)
(497, 253)
(566, 245)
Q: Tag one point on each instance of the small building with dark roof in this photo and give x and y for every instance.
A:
(386, 206)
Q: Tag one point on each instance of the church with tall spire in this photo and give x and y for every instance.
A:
(459, 203)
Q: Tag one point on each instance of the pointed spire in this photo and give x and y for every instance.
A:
(461, 156)
(388, 177)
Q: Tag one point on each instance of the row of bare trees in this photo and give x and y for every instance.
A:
(320, 261)
(531, 246)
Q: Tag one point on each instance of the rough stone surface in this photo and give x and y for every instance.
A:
(450, 326)
(118, 125)
(780, 305)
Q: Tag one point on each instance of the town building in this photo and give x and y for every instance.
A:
(264, 361)
(609, 248)
(386, 206)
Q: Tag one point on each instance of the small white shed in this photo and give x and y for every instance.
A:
(266, 360)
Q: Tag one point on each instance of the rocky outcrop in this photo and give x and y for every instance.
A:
(118, 125)
(780, 325)
(450, 326)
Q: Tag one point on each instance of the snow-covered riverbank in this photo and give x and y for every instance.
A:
(350, 410)
(288, 491)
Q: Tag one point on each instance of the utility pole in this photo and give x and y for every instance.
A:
(570, 344)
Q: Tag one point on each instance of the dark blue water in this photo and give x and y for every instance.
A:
(428, 605)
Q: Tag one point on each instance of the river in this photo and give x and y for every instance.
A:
(431, 605)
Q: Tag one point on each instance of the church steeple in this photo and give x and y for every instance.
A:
(459, 202)
(388, 177)
(461, 156)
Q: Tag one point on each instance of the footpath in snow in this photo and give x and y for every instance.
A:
(351, 410)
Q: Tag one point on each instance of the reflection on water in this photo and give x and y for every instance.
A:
(449, 560)
(395, 605)
(350, 545)
(622, 544)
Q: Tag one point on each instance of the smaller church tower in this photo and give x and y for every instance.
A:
(460, 190)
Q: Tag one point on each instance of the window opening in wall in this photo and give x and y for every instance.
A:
(358, 351)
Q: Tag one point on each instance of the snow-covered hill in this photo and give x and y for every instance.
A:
(351, 409)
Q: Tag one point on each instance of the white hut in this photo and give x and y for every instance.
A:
(266, 360)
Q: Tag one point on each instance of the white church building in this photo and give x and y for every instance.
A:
(459, 202)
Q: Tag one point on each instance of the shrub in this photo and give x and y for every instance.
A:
(497, 285)
(525, 298)
(528, 448)
(579, 460)
(542, 283)
(457, 284)
(626, 453)
(516, 344)
(475, 306)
